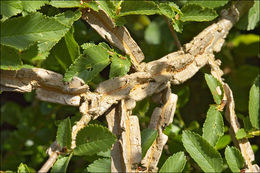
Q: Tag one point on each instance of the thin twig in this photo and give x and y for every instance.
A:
(54, 149)
(53, 153)
(81, 123)
(176, 39)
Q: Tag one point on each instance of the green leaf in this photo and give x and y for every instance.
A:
(241, 133)
(23, 168)
(168, 9)
(119, 67)
(234, 159)
(65, 3)
(100, 165)
(250, 20)
(148, 8)
(32, 28)
(175, 163)
(33, 6)
(109, 7)
(197, 13)
(35, 28)
(215, 88)
(10, 58)
(245, 39)
(172, 129)
(66, 51)
(209, 3)
(205, 155)
(247, 124)
(213, 127)
(89, 143)
(148, 136)
(254, 105)
(94, 59)
(61, 164)
(64, 133)
(178, 26)
(10, 8)
(68, 17)
(138, 7)
(105, 153)
(223, 142)
(254, 133)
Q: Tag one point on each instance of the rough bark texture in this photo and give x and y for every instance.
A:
(116, 97)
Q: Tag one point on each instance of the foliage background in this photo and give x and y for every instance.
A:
(28, 126)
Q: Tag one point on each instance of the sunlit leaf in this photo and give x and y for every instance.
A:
(174, 163)
(234, 159)
(223, 142)
(250, 20)
(205, 155)
(61, 164)
(23, 168)
(197, 13)
(33, 5)
(120, 66)
(241, 133)
(89, 143)
(254, 107)
(36, 28)
(209, 3)
(215, 88)
(65, 3)
(10, 8)
(94, 59)
(245, 39)
(213, 127)
(100, 165)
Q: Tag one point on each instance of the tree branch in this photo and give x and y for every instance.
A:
(161, 117)
(53, 152)
(243, 144)
(126, 153)
(117, 36)
(49, 85)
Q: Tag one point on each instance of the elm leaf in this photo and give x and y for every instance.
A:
(215, 87)
(192, 12)
(254, 107)
(61, 164)
(213, 127)
(234, 159)
(100, 165)
(205, 155)
(89, 143)
(64, 133)
(175, 163)
(148, 136)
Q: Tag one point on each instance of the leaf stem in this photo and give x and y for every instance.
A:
(176, 39)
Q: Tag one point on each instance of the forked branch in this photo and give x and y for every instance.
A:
(150, 78)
